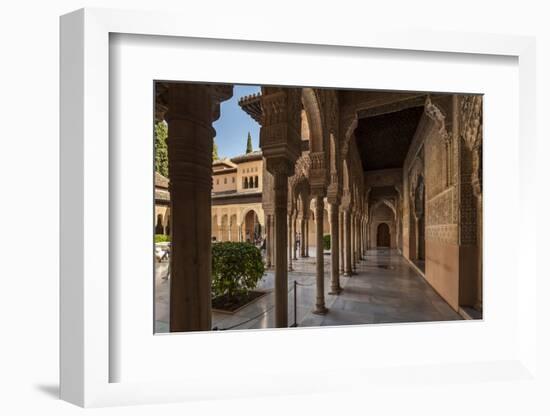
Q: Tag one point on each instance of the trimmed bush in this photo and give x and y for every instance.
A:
(236, 268)
(326, 242)
(161, 238)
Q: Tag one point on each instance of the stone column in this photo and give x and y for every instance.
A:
(360, 237)
(303, 237)
(353, 242)
(269, 240)
(294, 247)
(281, 265)
(280, 142)
(320, 308)
(335, 287)
(347, 243)
(306, 239)
(341, 243)
(290, 243)
(191, 110)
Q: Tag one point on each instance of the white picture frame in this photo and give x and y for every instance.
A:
(87, 356)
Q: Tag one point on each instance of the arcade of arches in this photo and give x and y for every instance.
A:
(390, 174)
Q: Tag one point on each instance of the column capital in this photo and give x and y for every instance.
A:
(281, 120)
(198, 103)
(319, 192)
(333, 199)
(279, 166)
(317, 170)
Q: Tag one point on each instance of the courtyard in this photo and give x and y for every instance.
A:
(321, 206)
(385, 289)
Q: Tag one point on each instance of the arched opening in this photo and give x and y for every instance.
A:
(255, 182)
(159, 228)
(383, 235)
(314, 120)
(252, 228)
(224, 229)
(311, 227)
(233, 228)
(245, 183)
(215, 231)
(382, 225)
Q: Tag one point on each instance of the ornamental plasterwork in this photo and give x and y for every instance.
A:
(471, 123)
(436, 115)
(416, 171)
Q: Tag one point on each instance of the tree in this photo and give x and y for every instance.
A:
(249, 144)
(215, 152)
(161, 148)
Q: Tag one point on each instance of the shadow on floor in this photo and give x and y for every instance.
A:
(51, 390)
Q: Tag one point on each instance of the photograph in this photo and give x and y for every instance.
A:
(298, 207)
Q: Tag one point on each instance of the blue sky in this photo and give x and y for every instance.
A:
(234, 124)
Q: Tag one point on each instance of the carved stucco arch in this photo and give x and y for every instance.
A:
(345, 176)
(245, 212)
(386, 202)
(314, 116)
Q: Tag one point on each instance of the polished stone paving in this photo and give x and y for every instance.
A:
(385, 289)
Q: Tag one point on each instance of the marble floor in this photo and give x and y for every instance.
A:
(385, 289)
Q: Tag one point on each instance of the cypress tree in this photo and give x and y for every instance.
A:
(161, 148)
(215, 152)
(249, 143)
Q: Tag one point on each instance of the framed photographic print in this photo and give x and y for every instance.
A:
(289, 209)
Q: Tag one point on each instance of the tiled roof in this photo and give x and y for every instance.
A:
(248, 157)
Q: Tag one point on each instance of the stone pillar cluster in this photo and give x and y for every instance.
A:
(191, 110)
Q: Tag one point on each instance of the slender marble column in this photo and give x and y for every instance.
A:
(347, 243)
(320, 308)
(353, 242)
(306, 239)
(294, 247)
(190, 139)
(281, 264)
(361, 239)
(290, 243)
(269, 241)
(303, 237)
(335, 287)
(341, 243)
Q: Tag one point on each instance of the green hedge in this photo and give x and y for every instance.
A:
(161, 238)
(236, 268)
(326, 242)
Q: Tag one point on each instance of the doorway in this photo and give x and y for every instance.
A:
(383, 235)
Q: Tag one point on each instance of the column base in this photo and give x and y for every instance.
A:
(335, 291)
(290, 269)
(320, 310)
(347, 274)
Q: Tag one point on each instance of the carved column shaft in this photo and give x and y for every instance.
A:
(353, 241)
(341, 242)
(303, 237)
(190, 140)
(294, 246)
(290, 242)
(281, 264)
(335, 249)
(306, 239)
(360, 238)
(347, 243)
(320, 266)
(269, 240)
